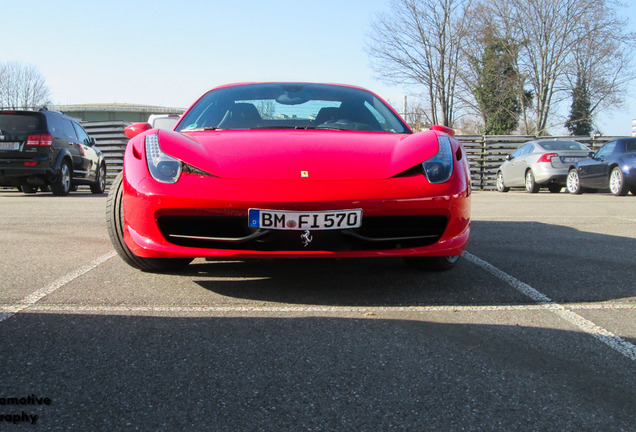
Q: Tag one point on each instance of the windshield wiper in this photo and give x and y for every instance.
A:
(279, 127)
(301, 127)
(207, 128)
(331, 128)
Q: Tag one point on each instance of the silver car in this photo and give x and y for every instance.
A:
(540, 163)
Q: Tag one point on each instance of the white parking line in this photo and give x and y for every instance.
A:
(221, 309)
(33, 298)
(615, 342)
(624, 218)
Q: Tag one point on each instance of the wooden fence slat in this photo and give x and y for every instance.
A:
(111, 140)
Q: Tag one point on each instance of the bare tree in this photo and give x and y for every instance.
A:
(551, 35)
(604, 64)
(419, 42)
(416, 116)
(22, 86)
(266, 108)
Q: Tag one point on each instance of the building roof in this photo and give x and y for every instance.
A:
(153, 109)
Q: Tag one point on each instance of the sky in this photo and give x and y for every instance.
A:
(169, 53)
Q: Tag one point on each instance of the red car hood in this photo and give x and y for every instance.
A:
(285, 155)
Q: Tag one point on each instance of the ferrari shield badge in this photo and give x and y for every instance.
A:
(304, 173)
(306, 237)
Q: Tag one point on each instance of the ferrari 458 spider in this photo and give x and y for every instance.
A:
(290, 170)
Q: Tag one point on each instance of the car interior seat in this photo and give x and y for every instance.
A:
(241, 116)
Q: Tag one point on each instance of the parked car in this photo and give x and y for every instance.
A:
(290, 170)
(540, 163)
(163, 121)
(42, 149)
(613, 167)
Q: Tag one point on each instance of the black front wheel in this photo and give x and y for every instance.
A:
(115, 226)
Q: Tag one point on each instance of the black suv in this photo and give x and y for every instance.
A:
(48, 149)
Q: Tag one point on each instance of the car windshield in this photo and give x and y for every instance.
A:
(563, 145)
(291, 106)
(630, 146)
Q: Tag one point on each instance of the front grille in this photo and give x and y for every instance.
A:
(211, 232)
(402, 227)
(227, 227)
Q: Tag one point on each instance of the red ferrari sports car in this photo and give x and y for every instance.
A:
(290, 170)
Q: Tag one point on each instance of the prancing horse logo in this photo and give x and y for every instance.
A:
(306, 237)
(304, 173)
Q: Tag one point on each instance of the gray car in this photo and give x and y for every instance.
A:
(540, 163)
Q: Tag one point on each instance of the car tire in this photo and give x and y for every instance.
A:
(115, 227)
(531, 184)
(573, 183)
(99, 186)
(501, 186)
(28, 189)
(617, 182)
(442, 263)
(555, 188)
(62, 184)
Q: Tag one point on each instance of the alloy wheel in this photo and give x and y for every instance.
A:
(573, 183)
(66, 177)
(617, 183)
(531, 184)
(501, 186)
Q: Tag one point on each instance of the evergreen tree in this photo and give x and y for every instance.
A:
(580, 121)
(497, 90)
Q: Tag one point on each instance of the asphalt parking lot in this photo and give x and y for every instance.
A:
(535, 329)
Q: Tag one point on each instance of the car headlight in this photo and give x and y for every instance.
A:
(439, 168)
(162, 167)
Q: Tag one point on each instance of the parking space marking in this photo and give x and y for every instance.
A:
(624, 218)
(615, 342)
(36, 296)
(543, 303)
(544, 218)
(216, 309)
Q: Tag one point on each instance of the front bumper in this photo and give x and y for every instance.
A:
(218, 209)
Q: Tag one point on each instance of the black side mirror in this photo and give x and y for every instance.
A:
(509, 157)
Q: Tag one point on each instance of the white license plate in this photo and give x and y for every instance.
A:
(9, 146)
(571, 159)
(295, 220)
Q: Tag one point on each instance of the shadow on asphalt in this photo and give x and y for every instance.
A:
(228, 374)
(566, 264)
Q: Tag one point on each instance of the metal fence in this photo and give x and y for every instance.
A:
(485, 153)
